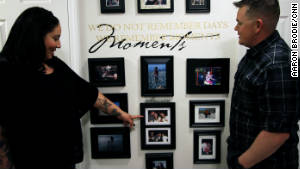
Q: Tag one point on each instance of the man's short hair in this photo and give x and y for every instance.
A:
(268, 10)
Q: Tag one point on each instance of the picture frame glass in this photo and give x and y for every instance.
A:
(158, 116)
(158, 136)
(152, 6)
(208, 75)
(207, 147)
(157, 76)
(207, 113)
(106, 72)
(110, 142)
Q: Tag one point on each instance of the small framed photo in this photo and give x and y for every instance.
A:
(157, 76)
(159, 160)
(207, 75)
(99, 117)
(155, 6)
(107, 72)
(206, 147)
(112, 6)
(110, 142)
(197, 6)
(158, 126)
(207, 113)
(158, 114)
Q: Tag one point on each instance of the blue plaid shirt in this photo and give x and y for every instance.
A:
(265, 97)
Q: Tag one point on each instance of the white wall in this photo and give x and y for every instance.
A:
(221, 19)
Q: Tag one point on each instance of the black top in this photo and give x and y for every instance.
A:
(265, 97)
(41, 114)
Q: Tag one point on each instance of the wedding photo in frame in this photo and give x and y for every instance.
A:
(197, 6)
(207, 147)
(110, 142)
(207, 113)
(159, 160)
(99, 117)
(157, 76)
(207, 76)
(112, 6)
(106, 72)
(158, 126)
(155, 6)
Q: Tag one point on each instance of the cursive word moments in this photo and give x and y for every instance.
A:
(123, 44)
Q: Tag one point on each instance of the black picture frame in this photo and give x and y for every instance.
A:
(207, 76)
(207, 113)
(158, 135)
(197, 6)
(159, 160)
(112, 6)
(155, 6)
(110, 142)
(106, 72)
(207, 147)
(99, 117)
(157, 76)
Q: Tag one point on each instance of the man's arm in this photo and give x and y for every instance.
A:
(105, 105)
(265, 144)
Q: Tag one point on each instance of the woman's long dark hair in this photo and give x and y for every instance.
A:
(25, 45)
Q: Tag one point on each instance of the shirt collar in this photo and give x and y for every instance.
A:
(252, 52)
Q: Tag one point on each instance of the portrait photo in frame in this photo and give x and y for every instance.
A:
(197, 6)
(157, 76)
(207, 76)
(99, 117)
(158, 131)
(106, 72)
(112, 6)
(207, 113)
(155, 6)
(206, 147)
(159, 160)
(110, 142)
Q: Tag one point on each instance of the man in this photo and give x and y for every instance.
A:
(265, 106)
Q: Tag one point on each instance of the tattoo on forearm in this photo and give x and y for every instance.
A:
(106, 105)
(115, 112)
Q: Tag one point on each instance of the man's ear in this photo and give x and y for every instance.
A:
(259, 25)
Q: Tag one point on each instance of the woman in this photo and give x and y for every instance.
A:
(42, 99)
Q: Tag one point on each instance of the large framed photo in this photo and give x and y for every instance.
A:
(112, 6)
(159, 160)
(158, 126)
(99, 117)
(110, 142)
(106, 72)
(206, 147)
(197, 6)
(207, 113)
(152, 6)
(157, 77)
(207, 76)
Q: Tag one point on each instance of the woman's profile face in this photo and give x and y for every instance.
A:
(52, 41)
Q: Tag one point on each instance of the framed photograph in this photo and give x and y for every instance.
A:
(99, 117)
(157, 76)
(206, 147)
(106, 72)
(158, 126)
(207, 76)
(152, 6)
(197, 6)
(159, 160)
(207, 113)
(110, 142)
(157, 114)
(112, 6)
